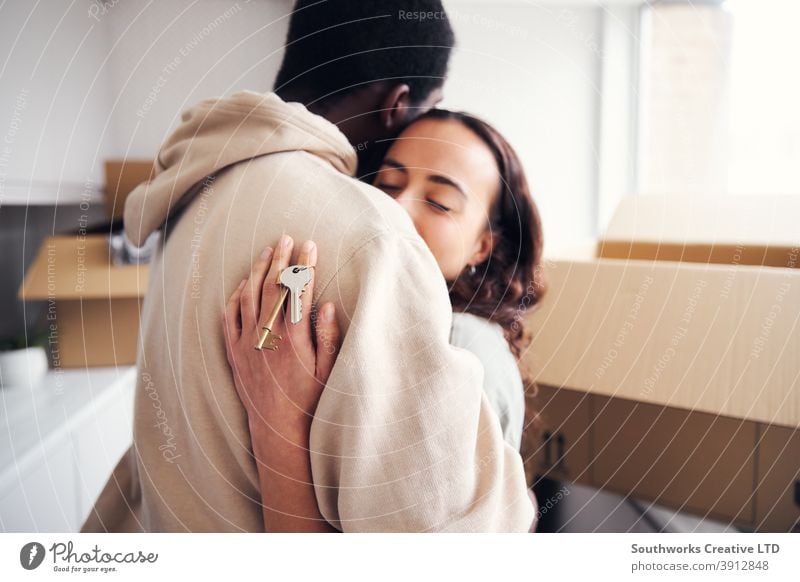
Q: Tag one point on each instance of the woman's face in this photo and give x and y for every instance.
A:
(447, 180)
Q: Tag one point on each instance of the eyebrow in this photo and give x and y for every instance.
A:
(394, 164)
(435, 178)
(439, 179)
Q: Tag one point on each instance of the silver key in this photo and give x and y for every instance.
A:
(296, 278)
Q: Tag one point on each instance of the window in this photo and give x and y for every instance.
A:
(719, 109)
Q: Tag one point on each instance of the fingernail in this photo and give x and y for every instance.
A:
(266, 254)
(285, 240)
(327, 312)
(307, 247)
(242, 283)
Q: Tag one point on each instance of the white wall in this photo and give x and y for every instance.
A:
(532, 70)
(54, 98)
(618, 109)
(168, 55)
(84, 81)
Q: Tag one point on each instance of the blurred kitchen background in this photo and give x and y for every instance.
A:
(602, 100)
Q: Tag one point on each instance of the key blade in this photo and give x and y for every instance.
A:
(296, 278)
(297, 309)
(297, 303)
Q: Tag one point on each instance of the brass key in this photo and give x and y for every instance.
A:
(269, 340)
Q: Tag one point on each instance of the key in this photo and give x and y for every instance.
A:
(296, 278)
(269, 340)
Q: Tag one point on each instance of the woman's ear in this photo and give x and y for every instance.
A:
(484, 247)
(394, 108)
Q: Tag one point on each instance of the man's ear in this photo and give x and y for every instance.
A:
(484, 247)
(394, 108)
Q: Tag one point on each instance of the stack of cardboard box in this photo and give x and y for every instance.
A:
(92, 305)
(668, 358)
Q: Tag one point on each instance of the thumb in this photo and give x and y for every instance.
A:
(328, 341)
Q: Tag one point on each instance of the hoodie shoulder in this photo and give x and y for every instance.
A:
(216, 134)
(318, 192)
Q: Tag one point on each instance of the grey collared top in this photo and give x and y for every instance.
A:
(502, 380)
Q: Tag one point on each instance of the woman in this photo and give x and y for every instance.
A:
(465, 190)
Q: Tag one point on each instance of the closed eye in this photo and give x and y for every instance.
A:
(390, 190)
(438, 206)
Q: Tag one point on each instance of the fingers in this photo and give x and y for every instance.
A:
(260, 292)
(251, 293)
(232, 318)
(308, 254)
(328, 341)
(300, 333)
(271, 290)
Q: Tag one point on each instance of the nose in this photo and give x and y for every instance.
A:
(407, 200)
(411, 203)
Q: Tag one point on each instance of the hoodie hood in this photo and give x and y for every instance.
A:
(219, 132)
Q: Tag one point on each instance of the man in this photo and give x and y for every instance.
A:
(403, 439)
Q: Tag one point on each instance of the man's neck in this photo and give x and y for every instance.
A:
(344, 115)
(314, 106)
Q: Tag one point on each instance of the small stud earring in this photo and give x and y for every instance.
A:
(472, 270)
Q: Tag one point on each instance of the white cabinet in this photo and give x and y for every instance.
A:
(42, 499)
(60, 441)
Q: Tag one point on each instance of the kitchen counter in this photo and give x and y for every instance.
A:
(59, 441)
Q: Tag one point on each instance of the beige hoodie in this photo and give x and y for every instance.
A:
(403, 438)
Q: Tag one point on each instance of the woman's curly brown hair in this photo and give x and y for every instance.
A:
(509, 283)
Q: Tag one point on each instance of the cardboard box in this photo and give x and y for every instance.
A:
(721, 339)
(560, 447)
(734, 230)
(699, 463)
(743, 473)
(681, 327)
(777, 486)
(122, 176)
(92, 305)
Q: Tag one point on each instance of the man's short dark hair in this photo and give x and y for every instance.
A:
(336, 46)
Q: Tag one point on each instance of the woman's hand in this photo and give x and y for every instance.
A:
(280, 389)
